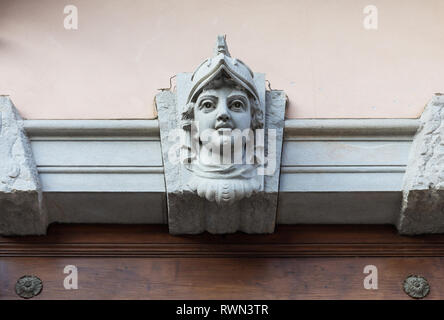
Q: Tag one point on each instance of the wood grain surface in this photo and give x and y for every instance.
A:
(296, 262)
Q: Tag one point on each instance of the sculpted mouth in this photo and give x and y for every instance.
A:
(224, 126)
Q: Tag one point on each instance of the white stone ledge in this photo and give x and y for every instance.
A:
(98, 169)
(135, 128)
(292, 127)
(343, 169)
(346, 127)
(333, 170)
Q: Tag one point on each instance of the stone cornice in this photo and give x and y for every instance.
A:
(102, 128)
(293, 127)
(333, 170)
(351, 127)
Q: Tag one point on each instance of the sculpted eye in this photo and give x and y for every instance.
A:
(207, 105)
(237, 105)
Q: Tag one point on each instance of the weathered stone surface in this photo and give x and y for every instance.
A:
(21, 202)
(423, 187)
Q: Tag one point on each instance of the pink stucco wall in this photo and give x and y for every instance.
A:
(315, 50)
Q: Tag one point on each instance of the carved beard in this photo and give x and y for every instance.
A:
(225, 184)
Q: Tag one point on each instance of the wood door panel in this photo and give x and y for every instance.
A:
(296, 262)
(222, 278)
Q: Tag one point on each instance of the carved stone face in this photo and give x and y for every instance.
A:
(220, 110)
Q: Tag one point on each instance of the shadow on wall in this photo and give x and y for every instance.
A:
(5, 5)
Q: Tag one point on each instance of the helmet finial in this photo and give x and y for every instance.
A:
(221, 46)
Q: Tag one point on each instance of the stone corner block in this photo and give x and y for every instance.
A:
(21, 202)
(422, 209)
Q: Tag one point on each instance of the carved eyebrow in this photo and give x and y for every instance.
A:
(206, 96)
(237, 96)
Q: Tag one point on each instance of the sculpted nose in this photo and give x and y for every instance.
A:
(223, 114)
(223, 117)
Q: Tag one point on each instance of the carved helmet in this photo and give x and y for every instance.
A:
(222, 62)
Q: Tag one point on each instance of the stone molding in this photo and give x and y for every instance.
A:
(334, 171)
(350, 127)
(92, 128)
